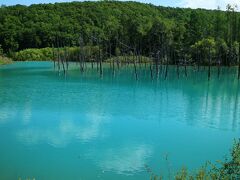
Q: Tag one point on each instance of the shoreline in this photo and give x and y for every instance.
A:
(5, 61)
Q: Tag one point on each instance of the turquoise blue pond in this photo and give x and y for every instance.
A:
(85, 127)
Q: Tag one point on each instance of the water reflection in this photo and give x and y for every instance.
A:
(59, 134)
(27, 113)
(215, 103)
(6, 114)
(126, 160)
(115, 125)
(192, 100)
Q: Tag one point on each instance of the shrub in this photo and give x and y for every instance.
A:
(229, 169)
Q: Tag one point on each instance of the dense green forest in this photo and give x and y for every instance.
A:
(174, 34)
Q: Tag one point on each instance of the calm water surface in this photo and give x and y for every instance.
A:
(85, 127)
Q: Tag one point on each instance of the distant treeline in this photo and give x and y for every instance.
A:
(196, 36)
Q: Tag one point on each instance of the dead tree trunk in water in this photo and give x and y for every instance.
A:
(113, 66)
(139, 58)
(166, 71)
(198, 60)
(178, 70)
(209, 63)
(185, 66)
(219, 64)
(66, 58)
(135, 67)
(151, 71)
(112, 63)
(118, 63)
(91, 59)
(62, 58)
(178, 67)
(100, 58)
(238, 63)
(81, 57)
(58, 57)
(63, 65)
(238, 70)
(157, 68)
(54, 62)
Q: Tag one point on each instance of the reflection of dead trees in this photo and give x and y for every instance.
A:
(235, 114)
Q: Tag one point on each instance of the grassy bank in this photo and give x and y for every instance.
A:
(5, 60)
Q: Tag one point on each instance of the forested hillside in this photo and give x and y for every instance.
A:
(174, 32)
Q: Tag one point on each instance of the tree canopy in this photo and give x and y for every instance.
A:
(146, 27)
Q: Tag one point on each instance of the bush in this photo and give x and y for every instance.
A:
(34, 55)
(229, 169)
(46, 54)
(5, 60)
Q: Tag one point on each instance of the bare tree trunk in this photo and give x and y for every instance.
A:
(185, 66)
(209, 64)
(151, 71)
(219, 64)
(199, 58)
(100, 59)
(178, 69)
(63, 65)
(58, 58)
(238, 67)
(135, 67)
(166, 71)
(157, 68)
(54, 62)
(118, 63)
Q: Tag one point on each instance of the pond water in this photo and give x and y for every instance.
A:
(81, 126)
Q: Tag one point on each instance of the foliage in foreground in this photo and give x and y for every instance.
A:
(227, 170)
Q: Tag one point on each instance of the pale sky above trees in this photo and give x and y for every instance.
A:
(208, 4)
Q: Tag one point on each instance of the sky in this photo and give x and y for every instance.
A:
(207, 4)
